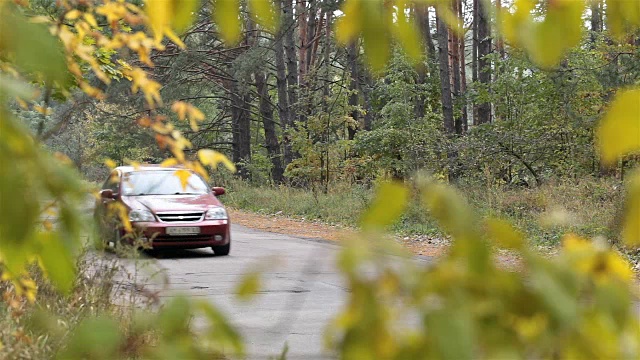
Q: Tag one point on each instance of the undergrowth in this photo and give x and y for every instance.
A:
(41, 329)
(589, 207)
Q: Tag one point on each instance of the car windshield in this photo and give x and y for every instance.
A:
(161, 183)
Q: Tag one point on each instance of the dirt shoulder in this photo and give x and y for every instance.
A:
(281, 224)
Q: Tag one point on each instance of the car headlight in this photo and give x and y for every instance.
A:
(216, 214)
(141, 215)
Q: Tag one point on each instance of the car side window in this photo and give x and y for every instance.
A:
(113, 183)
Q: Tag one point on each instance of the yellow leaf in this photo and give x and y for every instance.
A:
(195, 113)
(110, 163)
(173, 37)
(184, 176)
(213, 158)
(543, 44)
(631, 228)
(169, 162)
(389, 203)
(504, 235)
(122, 213)
(407, 32)
(619, 131)
(28, 288)
(263, 13)
(47, 225)
(180, 108)
(349, 25)
(73, 14)
(193, 124)
(90, 19)
(42, 110)
(159, 12)
(226, 17)
(184, 11)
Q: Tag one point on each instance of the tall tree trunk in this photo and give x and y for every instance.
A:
(454, 51)
(474, 57)
(352, 63)
(314, 28)
(445, 83)
(499, 39)
(240, 127)
(325, 98)
(596, 19)
(366, 97)
(303, 27)
(422, 15)
(270, 136)
(445, 88)
(484, 63)
(284, 111)
(463, 71)
(288, 24)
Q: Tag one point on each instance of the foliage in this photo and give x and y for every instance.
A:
(466, 306)
(577, 305)
(36, 184)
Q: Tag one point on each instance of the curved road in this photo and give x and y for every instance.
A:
(301, 289)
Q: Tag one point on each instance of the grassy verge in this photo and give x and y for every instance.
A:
(587, 206)
(42, 329)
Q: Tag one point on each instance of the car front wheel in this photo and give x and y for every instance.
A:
(222, 250)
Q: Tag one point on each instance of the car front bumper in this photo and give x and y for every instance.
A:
(212, 233)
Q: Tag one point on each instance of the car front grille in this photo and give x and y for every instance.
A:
(181, 217)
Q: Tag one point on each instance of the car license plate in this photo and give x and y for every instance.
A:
(183, 230)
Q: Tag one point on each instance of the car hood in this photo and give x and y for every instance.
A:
(160, 203)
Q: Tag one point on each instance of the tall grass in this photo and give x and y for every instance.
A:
(586, 206)
(40, 330)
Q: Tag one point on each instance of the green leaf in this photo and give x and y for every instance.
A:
(453, 333)
(57, 261)
(184, 11)
(375, 34)
(631, 229)
(33, 48)
(173, 319)
(226, 16)
(95, 338)
(619, 131)
(248, 286)
(220, 330)
(555, 296)
(449, 208)
(389, 203)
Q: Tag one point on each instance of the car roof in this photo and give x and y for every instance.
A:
(148, 167)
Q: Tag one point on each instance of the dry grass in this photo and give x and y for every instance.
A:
(588, 207)
(41, 329)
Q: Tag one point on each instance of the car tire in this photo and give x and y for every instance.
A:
(114, 241)
(221, 250)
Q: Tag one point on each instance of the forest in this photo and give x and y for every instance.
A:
(498, 125)
(296, 107)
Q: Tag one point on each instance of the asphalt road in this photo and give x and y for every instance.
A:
(301, 289)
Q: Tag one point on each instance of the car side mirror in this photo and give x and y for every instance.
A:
(217, 191)
(107, 194)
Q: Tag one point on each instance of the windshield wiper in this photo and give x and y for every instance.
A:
(186, 193)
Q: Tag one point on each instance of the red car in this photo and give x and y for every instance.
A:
(162, 211)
